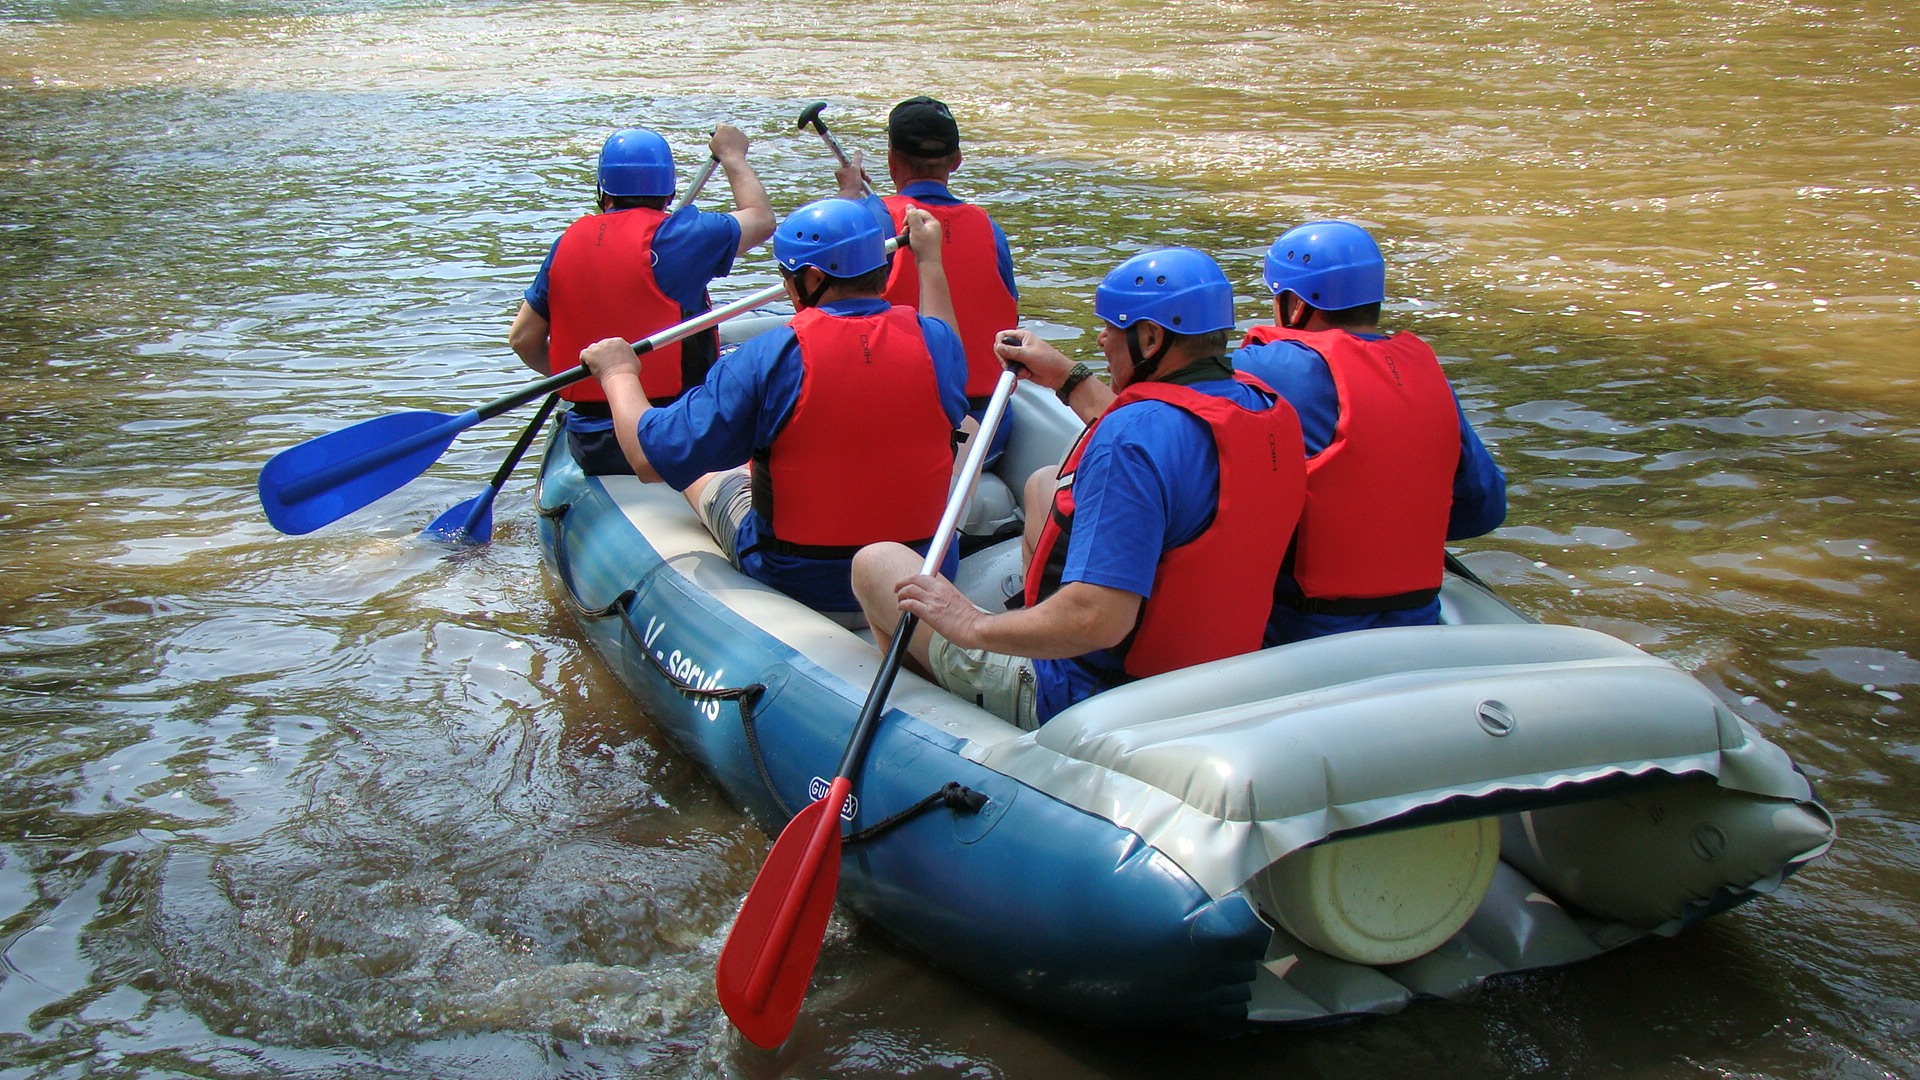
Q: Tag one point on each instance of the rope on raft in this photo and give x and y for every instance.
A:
(952, 795)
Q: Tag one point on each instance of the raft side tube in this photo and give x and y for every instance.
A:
(1059, 909)
(1661, 859)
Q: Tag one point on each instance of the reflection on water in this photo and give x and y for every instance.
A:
(347, 803)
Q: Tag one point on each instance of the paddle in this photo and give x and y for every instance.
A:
(699, 181)
(326, 478)
(1462, 570)
(471, 522)
(810, 117)
(768, 958)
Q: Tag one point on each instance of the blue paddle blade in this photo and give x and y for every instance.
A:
(324, 479)
(469, 523)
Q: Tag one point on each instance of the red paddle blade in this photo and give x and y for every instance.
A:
(768, 959)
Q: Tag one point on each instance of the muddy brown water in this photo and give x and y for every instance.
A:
(352, 805)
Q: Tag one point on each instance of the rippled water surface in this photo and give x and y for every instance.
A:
(350, 804)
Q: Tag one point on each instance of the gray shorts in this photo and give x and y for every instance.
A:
(1001, 684)
(724, 506)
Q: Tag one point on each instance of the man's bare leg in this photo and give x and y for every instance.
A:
(877, 569)
(1038, 504)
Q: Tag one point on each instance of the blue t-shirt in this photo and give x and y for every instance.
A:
(1147, 482)
(1300, 375)
(747, 399)
(690, 249)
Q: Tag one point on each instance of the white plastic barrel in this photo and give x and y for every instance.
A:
(1383, 898)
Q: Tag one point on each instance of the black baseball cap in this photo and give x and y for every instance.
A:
(922, 127)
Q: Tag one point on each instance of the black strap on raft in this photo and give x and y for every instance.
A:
(745, 696)
(621, 605)
(747, 702)
(1461, 569)
(953, 795)
(972, 542)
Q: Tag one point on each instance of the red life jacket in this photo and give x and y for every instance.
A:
(868, 451)
(601, 285)
(1375, 528)
(1211, 595)
(982, 305)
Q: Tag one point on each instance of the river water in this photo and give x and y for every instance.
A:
(354, 805)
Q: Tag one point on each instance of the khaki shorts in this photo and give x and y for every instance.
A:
(1001, 684)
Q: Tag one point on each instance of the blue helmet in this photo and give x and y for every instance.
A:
(839, 237)
(1181, 289)
(636, 161)
(1332, 265)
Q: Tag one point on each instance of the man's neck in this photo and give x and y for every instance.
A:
(836, 295)
(1317, 323)
(1195, 370)
(902, 183)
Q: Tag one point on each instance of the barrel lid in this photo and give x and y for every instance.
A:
(1382, 898)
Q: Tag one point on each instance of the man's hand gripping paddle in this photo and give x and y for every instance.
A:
(810, 117)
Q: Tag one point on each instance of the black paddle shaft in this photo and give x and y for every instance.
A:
(527, 393)
(869, 721)
(526, 440)
(1460, 568)
(567, 378)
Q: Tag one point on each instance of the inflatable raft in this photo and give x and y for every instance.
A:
(1328, 828)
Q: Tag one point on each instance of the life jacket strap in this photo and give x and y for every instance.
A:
(1356, 605)
(813, 551)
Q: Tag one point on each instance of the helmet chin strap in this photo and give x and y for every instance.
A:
(1144, 366)
(811, 298)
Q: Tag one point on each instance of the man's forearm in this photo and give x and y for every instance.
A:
(627, 404)
(1078, 619)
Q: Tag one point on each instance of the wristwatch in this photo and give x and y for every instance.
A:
(1077, 375)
